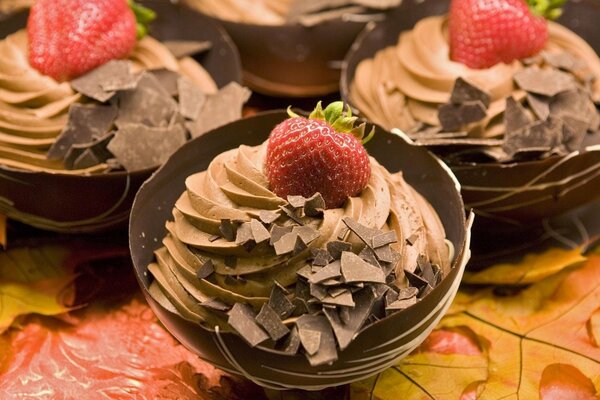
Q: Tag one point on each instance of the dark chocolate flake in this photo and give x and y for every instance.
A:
(426, 269)
(306, 233)
(412, 238)
(544, 81)
(167, 79)
(243, 234)
(401, 304)
(269, 320)
(291, 214)
(205, 269)
(228, 229)
(306, 272)
(342, 299)
(369, 256)
(540, 136)
(242, 319)
(115, 74)
(259, 232)
(314, 206)
(286, 244)
(317, 291)
(191, 98)
(291, 343)
(321, 257)
(335, 248)
(296, 201)
(384, 254)
(348, 321)
(539, 104)
(212, 238)
(268, 217)
(407, 292)
(355, 269)
(384, 238)
(453, 117)
(310, 340)
(364, 233)
(327, 352)
(277, 232)
(415, 280)
(279, 302)
(464, 91)
(515, 116)
(329, 271)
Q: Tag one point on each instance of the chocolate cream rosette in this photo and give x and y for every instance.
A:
(511, 107)
(289, 249)
(293, 48)
(90, 104)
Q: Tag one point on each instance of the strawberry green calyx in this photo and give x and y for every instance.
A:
(549, 9)
(341, 121)
(143, 17)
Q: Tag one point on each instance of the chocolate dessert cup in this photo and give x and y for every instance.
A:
(375, 348)
(73, 203)
(516, 195)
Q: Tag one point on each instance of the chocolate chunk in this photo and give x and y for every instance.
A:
(228, 229)
(464, 92)
(321, 257)
(342, 299)
(138, 146)
(205, 269)
(268, 217)
(305, 272)
(167, 79)
(454, 117)
(401, 304)
(306, 233)
(415, 280)
(291, 343)
(277, 232)
(335, 248)
(384, 238)
(385, 254)
(86, 159)
(314, 206)
(539, 104)
(279, 302)
(215, 304)
(336, 291)
(547, 81)
(342, 235)
(288, 243)
(84, 123)
(539, 136)
(184, 48)
(259, 232)
(574, 130)
(243, 234)
(318, 291)
(379, 289)
(327, 352)
(287, 210)
(149, 103)
(101, 83)
(412, 238)
(574, 103)
(269, 320)
(310, 340)
(296, 201)
(515, 116)
(407, 293)
(219, 109)
(364, 233)
(563, 60)
(368, 254)
(355, 269)
(191, 98)
(391, 296)
(242, 319)
(329, 271)
(426, 269)
(348, 321)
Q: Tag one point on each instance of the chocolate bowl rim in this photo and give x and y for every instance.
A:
(142, 246)
(351, 62)
(17, 20)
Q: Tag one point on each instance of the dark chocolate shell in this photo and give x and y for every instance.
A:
(375, 348)
(64, 203)
(506, 196)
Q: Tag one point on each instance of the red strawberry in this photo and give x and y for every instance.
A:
(318, 154)
(68, 38)
(484, 33)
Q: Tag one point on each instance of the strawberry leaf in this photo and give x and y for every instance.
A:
(143, 16)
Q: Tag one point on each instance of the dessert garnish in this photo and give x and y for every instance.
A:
(68, 38)
(484, 33)
(322, 153)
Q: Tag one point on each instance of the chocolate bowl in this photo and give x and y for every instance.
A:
(378, 346)
(86, 203)
(294, 60)
(513, 195)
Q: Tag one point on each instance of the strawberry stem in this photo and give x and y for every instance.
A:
(340, 121)
(143, 16)
(549, 9)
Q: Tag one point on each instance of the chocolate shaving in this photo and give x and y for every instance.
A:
(342, 299)
(191, 98)
(306, 272)
(321, 257)
(269, 320)
(336, 291)
(390, 296)
(242, 319)
(205, 269)
(243, 234)
(277, 232)
(84, 123)
(544, 81)
(291, 343)
(343, 233)
(464, 92)
(348, 321)
(113, 75)
(138, 147)
(86, 159)
(314, 206)
(319, 292)
(259, 232)
(454, 117)
(539, 136)
(296, 201)
(385, 254)
(574, 130)
(279, 302)
(401, 304)
(364, 233)
(384, 239)
(288, 243)
(412, 238)
(426, 269)
(330, 271)
(355, 269)
(228, 229)
(563, 60)
(167, 79)
(336, 247)
(306, 233)
(415, 280)
(310, 340)
(327, 352)
(291, 214)
(368, 254)
(539, 104)
(515, 116)
(407, 293)
(268, 217)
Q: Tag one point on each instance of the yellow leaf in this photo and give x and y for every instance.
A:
(532, 268)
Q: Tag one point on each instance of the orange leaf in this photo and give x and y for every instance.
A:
(562, 381)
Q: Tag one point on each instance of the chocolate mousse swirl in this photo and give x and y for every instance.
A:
(404, 85)
(34, 107)
(234, 190)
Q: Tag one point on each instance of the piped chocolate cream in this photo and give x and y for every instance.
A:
(410, 86)
(35, 110)
(288, 275)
